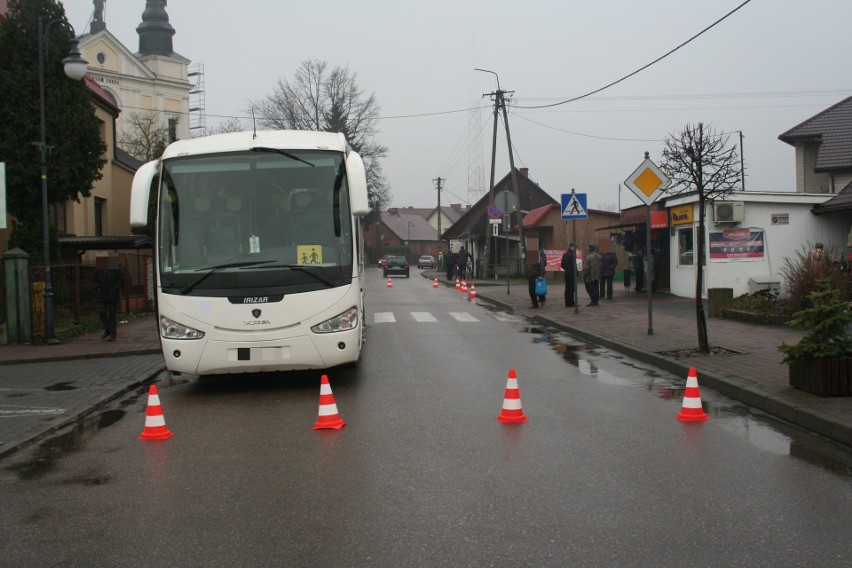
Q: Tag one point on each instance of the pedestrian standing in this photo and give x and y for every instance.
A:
(592, 273)
(461, 262)
(609, 261)
(569, 266)
(109, 280)
(450, 259)
(534, 271)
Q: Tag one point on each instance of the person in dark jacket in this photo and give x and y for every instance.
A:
(569, 266)
(450, 260)
(609, 261)
(461, 263)
(592, 273)
(109, 280)
(534, 271)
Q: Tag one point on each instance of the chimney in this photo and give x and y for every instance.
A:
(525, 172)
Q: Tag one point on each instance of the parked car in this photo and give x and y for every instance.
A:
(381, 262)
(426, 261)
(396, 265)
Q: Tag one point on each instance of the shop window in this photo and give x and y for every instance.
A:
(685, 246)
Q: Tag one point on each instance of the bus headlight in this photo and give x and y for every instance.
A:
(174, 330)
(343, 322)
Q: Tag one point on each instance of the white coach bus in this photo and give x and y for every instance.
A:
(258, 251)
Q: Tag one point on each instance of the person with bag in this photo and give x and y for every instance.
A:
(541, 289)
(534, 272)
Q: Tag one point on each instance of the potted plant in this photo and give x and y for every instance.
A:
(821, 362)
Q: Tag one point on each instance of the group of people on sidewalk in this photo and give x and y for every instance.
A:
(598, 272)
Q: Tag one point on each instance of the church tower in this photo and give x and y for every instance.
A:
(155, 31)
(154, 79)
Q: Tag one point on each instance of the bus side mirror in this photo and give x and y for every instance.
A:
(357, 178)
(140, 193)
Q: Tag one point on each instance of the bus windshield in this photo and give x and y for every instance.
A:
(268, 219)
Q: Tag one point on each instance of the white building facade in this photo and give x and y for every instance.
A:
(155, 78)
(748, 239)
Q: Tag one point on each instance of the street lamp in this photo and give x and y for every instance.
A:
(75, 68)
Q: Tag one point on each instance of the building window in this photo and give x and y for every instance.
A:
(57, 212)
(685, 246)
(100, 211)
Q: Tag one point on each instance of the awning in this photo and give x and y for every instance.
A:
(659, 220)
(119, 242)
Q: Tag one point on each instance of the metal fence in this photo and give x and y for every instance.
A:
(75, 299)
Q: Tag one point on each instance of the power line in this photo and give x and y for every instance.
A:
(657, 60)
(587, 135)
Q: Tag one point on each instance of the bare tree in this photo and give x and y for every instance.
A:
(232, 124)
(145, 135)
(697, 159)
(330, 100)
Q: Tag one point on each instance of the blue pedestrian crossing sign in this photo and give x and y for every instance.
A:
(574, 206)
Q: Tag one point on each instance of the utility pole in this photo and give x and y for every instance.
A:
(742, 163)
(515, 187)
(438, 180)
(500, 102)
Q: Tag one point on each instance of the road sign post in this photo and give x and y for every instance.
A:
(648, 182)
(574, 207)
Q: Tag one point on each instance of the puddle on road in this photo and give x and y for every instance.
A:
(51, 450)
(64, 386)
(761, 430)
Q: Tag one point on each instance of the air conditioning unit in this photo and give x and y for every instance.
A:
(728, 211)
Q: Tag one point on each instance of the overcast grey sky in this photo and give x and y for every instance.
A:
(765, 69)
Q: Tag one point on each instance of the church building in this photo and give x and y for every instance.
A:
(153, 79)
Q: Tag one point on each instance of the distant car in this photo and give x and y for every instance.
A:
(426, 261)
(396, 265)
(383, 260)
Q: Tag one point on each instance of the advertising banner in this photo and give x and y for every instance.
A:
(740, 244)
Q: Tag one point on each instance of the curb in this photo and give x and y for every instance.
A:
(81, 356)
(811, 420)
(83, 410)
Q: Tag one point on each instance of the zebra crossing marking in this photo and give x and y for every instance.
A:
(423, 317)
(463, 317)
(428, 317)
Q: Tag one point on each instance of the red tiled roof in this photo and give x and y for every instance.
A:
(534, 217)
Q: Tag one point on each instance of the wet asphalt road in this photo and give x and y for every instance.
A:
(424, 474)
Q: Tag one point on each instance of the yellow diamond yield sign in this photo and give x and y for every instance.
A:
(647, 182)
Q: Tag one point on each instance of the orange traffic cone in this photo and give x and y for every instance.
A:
(512, 411)
(692, 411)
(464, 287)
(473, 291)
(155, 423)
(390, 284)
(458, 283)
(435, 283)
(328, 416)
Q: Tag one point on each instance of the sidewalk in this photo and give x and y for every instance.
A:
(754, 375)
(45, 388)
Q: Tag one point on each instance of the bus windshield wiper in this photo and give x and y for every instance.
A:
(211, 269)
(309, 272)
(282, 152)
